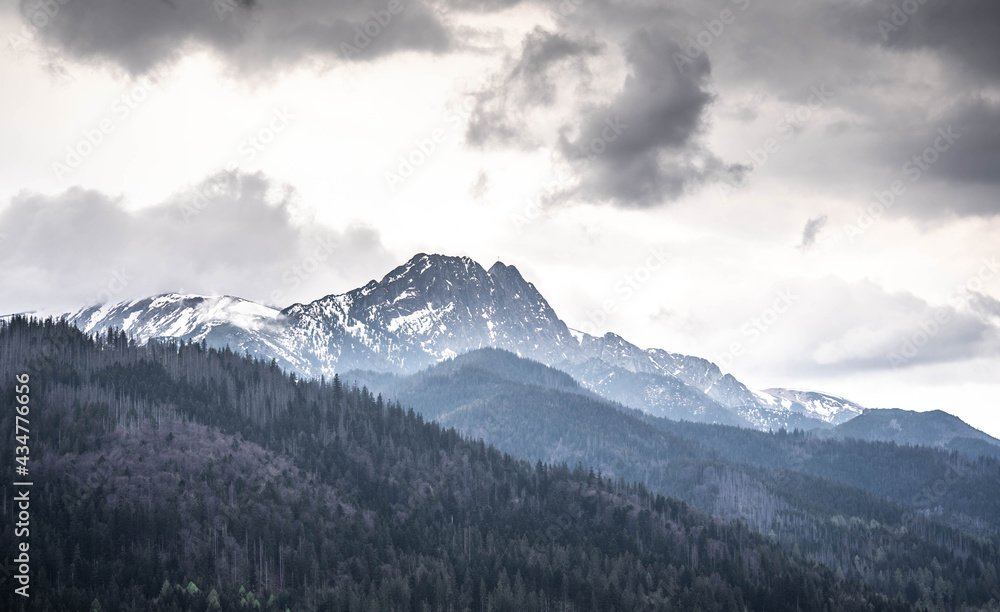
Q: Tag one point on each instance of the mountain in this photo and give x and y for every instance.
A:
(675, 386)
(434, 307)
(935, 428)
(219, 321)
(426, 310)
(185, 317)
(658, 394)
(827, 408)
(534, 411)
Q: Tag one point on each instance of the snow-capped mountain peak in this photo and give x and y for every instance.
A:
(823, 406)
(430, 308)
(434, 307)
(186, 316)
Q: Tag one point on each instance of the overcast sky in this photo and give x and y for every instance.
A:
(805, 192)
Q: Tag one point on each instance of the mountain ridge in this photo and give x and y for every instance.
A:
(433, 307)
(933, 428)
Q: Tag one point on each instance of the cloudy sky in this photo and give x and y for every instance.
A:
(805, 192)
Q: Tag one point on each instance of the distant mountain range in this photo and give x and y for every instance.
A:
(436, 307)
(540, 413)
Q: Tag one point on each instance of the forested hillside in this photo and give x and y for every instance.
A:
(894, 517)
(174, 477)
(949, 487)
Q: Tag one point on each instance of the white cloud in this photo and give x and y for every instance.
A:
(231, 234)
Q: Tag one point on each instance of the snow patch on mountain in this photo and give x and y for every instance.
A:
(174, 315)
(822, 406)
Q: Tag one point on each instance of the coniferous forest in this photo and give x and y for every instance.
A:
(172, 476)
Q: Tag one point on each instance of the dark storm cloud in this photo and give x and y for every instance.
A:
(975, 157)
(965, 30)
(526, 84)
(252, 34)
(948, 162)
(812, 229)
(232, 234)
(540, 52)
(774, 48)
(644, 148)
